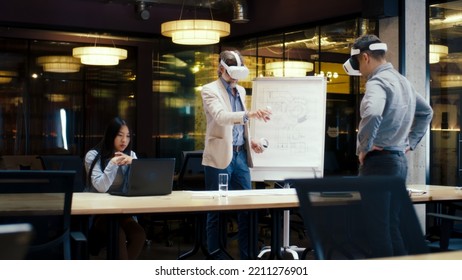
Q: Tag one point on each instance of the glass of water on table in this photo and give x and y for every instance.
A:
(223, 184)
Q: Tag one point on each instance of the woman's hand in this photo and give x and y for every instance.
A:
(121, 159)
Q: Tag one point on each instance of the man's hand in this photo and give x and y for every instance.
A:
(260, 114)
(256, 147)
(362, 155)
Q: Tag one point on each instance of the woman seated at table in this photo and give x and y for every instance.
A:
(107, 167)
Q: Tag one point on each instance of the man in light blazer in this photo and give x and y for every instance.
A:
(227, 141)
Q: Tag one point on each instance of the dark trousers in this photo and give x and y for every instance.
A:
(382, 209)
(238, 179)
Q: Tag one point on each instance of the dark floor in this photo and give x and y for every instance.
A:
(169, 239)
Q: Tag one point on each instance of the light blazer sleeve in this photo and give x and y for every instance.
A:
(217, 105)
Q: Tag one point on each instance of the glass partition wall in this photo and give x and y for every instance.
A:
(52, 104)
(445, 64)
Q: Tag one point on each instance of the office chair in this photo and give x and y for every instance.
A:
(14, 241)
(20, 162)
(191, 175)
(449, 227)
(66, 162)
(42, 199)
(340, 227)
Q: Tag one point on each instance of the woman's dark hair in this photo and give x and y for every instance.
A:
(105, 147)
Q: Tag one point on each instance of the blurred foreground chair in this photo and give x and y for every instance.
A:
(338, 224)
(14, 241)
(44, 200)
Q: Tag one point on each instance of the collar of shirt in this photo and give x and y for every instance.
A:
(379, 68)
(227, 86)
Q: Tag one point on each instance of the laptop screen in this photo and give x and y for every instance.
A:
(150, 176)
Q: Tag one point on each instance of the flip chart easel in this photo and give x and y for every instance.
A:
(295, 134)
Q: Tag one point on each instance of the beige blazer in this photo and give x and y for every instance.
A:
(218, 150)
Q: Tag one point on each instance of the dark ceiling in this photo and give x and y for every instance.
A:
(120, 17)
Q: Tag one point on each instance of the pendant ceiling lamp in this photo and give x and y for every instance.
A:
(59, 64)
(7, 76)
(436, 52)
(104, 56)
(289, 68)
(195, 31)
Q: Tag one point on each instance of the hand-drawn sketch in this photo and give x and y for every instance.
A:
(297, 126)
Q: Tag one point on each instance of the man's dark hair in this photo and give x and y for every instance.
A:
(363, 43)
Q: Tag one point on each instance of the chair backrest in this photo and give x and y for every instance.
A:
(42, 199)
(191, 175)
(66, 162)
(341, 213)
(14, 241)
(20, 162)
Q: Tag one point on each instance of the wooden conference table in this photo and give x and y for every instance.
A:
(450, 255)
(204, 201)
(184, 202)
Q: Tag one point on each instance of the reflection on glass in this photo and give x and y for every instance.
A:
(445, 58)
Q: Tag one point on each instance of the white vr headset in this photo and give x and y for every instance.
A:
(236, 72)
(351, 66)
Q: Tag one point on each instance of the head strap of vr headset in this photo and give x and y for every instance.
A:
(376, 46)
(236, 56)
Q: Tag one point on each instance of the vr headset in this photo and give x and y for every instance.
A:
(236, 72)
(351, 66)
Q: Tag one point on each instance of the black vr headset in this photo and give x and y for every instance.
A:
(351, 66)
(238, 72)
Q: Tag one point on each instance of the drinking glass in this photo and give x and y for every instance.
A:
(223, 184)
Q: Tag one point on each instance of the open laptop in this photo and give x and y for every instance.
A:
(149, 176)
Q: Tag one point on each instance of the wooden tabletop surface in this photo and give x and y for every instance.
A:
(450, 255)
(196, 201)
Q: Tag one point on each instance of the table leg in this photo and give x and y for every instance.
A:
(113, 237)
(253, 234)
(274, 249)
(199, 233)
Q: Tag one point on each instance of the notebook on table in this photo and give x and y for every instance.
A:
(149, 176)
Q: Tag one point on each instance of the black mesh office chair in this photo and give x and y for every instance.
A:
(191, 175)
(337, 223)
(42, 199)
(446, 234)
(20, 162)
(66, 162)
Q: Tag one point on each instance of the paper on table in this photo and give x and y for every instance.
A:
(212, 194)
(416, 191)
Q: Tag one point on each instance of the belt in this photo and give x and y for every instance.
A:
(238, 148)
(383, 152)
